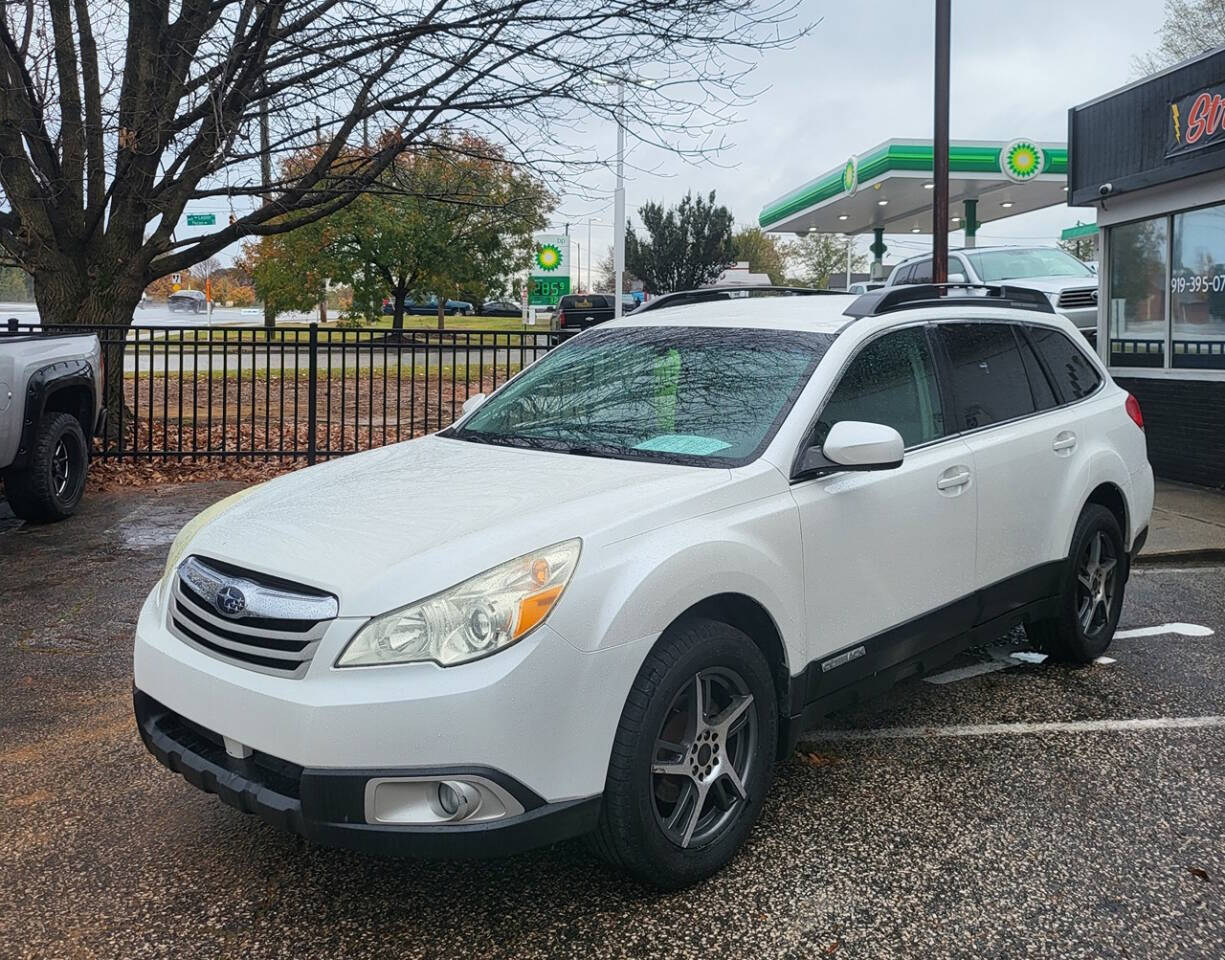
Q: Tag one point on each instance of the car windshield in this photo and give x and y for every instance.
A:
(994, 265)
(694, 395)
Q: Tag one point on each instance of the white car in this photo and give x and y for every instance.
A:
(1070, 284)
(612, 595)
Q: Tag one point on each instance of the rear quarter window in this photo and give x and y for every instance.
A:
(1073, 373)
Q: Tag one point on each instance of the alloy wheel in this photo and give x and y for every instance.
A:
(702, 758)
(61, 469)
(1096, 580)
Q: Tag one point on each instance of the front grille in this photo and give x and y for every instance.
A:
(277, 626)
(1078, 299)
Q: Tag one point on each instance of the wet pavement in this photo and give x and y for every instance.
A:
(943, 820)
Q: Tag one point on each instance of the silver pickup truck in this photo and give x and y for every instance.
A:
(50, 405)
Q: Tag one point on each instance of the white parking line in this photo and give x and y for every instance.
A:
(1182, 629)
(1018, 729)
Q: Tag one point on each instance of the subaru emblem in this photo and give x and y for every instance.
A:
(230, 601)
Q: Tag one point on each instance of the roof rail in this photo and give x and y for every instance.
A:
(912, 297)
(709, 294)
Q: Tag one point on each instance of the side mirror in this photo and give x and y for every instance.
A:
(853, 445)
(957, 278)
(472, 403)
(863, 446)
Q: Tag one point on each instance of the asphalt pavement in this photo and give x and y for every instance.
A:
(1008, 809)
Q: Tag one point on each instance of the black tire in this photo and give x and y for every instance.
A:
(632, 834)
(1066, 636)
(49, 486)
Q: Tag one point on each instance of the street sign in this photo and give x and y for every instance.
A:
(201, 219)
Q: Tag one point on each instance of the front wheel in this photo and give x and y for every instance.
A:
(692, 759)
(1091, 595)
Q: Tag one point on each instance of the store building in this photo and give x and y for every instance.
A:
(1151, 158)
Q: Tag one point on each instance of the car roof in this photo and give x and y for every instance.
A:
(824, 314)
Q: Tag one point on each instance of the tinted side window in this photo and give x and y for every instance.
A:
(989, 380)
(891, 381)
(1075, 376)
(901, 275)
(1039, 382)
(921, 272)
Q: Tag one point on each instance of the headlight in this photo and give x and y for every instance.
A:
(472, 619)
(194, 525)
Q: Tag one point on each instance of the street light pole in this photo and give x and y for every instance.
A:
(619, 206)
(940, 148)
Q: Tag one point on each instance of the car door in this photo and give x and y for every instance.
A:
(1022, 451)
(888, 555)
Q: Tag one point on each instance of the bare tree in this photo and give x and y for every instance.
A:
(1190, 27)
(115, 116)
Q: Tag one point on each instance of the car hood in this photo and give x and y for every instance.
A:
(387, 527)
(1053, 284)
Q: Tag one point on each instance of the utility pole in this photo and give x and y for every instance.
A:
(940, 148)
(619, 207)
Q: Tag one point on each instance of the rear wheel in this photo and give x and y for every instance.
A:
(1092, 591)
(692, 759)
(49, 486)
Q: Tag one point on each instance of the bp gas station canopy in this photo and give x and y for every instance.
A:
(888, 189)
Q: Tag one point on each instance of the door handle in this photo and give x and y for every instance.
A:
(953, 477)
(1065, 443)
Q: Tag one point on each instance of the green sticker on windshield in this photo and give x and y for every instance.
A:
(667, 379)
(683, 443)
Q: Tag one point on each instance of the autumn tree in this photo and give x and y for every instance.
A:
(681, 247)
(765, 252)
(445, 218)
(816, 257)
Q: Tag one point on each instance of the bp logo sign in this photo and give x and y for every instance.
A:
(548, 257)
(850, 176)
(1022, 160)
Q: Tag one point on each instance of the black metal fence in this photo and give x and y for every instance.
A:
(285, 393)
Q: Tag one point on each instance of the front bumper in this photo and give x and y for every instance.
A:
(542, 711)
(327, 806)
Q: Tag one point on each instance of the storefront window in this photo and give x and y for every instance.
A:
(1197, 289)
(1137, 294)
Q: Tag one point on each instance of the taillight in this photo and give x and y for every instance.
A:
(561, 318)
(1133, 410)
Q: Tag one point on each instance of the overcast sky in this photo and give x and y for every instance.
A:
(865, 75)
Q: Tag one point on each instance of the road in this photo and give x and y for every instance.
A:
(1011, 809)
(159, 314)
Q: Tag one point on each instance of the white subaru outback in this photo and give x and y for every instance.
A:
(610, 597)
